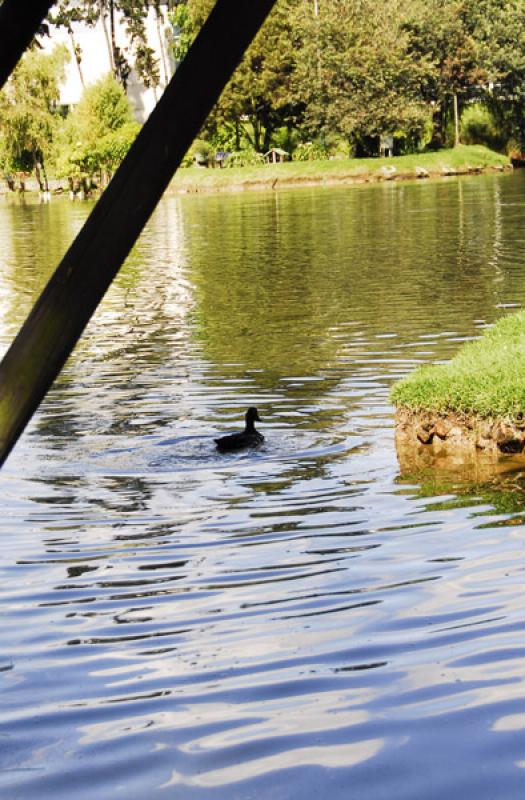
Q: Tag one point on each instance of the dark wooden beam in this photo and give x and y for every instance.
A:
(19, 21)
(60, 314)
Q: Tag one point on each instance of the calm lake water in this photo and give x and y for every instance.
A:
(307, 620)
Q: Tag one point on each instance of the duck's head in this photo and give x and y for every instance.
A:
(252, 415)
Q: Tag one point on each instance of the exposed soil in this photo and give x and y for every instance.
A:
(458, 434)
(466, 445)
(455, 432)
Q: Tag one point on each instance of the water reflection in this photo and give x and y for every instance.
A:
(306, 619)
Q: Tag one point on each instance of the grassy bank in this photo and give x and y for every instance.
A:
(460, 160)
(486, 378)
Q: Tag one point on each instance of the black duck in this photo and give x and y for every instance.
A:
(249, 437)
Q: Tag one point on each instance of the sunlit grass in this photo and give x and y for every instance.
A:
(486, 377)
(459, 159)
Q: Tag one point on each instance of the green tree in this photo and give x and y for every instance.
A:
(28, 120)
(477, 52)
(260, 97)
(440, 34)
(356, 75)
(97, 134)
(498, 27)
(361, 68)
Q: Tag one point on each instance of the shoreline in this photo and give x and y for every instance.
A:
(463, 160)
(459, 161)
(187, 187)
(472, 405)
(467, 448)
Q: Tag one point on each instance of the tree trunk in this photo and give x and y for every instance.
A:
(237, 135)
(456, 120)
(267, 138)
(256, 134)
(121, 68)
(113, 41)
(38, 175)
(77, 54)
(44, 174)
(163, 58)
(106, 34)
(437, 127)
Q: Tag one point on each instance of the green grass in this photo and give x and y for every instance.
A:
(485, 378)
(459, 159)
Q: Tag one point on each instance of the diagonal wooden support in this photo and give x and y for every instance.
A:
(19, 21)
(60, 314)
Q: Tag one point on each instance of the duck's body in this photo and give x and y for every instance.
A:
(249, 437)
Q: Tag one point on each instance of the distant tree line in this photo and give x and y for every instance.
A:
(323, 78)
(340, 73)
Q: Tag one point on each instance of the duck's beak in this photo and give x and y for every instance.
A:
(257, 417)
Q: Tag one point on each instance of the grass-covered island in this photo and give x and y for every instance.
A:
(475, 402)
(461, 160)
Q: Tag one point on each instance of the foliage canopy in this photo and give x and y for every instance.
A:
(98, 132)
(27, 118)
(356, 69)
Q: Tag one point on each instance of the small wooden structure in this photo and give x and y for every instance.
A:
(276, 155)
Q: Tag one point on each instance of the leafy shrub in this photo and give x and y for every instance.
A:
(478, 126)
(286, 138)
(336, 147)
(247, 157)
(309, 151)
(112, 148)
(97, 134)
(201, 152)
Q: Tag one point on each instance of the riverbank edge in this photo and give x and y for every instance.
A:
(455, 433)
(183, 184)
(473, 403)
(460, 161)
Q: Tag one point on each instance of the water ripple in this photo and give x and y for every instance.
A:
(303, 619)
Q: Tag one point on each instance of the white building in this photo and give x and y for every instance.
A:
(94, 46)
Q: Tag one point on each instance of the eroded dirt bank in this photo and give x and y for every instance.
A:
(455, 433)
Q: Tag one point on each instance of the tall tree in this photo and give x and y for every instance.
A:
(440, 34)
(260, 97)
(64, 14)
(498, 27)
(27, 112)
(356, 74)
(139, 55)
(97, 134)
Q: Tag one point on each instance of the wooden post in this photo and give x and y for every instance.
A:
(19, 21)
(60, 314)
